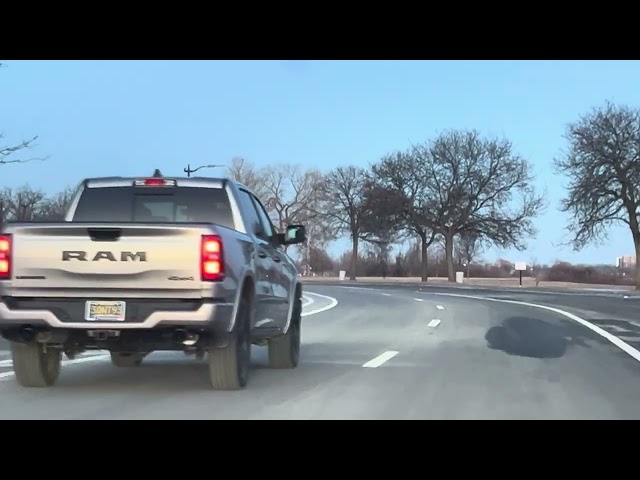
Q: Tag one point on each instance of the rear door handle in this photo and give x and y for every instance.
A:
(277, 259)
(262, 254)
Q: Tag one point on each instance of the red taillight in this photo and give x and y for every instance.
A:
(5, 257)
(211, 262)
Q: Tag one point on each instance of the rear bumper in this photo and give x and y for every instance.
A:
(211, 316)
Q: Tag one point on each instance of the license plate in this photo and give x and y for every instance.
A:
(105, 311)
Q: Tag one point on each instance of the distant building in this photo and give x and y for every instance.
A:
(626, 261)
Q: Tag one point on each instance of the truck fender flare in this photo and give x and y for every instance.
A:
(292, 297)
(236, 301)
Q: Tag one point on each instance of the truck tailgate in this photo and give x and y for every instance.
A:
(102, 257)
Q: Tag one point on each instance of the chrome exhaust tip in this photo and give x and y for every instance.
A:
(190, 339)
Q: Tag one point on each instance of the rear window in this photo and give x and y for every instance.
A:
(158, 205)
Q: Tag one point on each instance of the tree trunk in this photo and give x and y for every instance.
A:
(468, 269)
(354, 258)
(448, 239)
(423, 258)
(637, 242)
(635, 232)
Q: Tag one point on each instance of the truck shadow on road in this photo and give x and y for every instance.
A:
(168, 373)
(532, 337)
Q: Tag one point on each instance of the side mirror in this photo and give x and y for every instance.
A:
(294, 234)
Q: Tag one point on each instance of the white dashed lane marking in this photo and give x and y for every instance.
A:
(381, 359)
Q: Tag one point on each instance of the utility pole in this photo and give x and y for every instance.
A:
(189, 171)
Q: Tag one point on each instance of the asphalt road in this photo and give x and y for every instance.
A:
(386, 353)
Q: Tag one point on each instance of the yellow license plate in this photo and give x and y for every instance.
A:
(105, 311)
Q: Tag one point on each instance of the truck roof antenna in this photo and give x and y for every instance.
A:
(157, 173)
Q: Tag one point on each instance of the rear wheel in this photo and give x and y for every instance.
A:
(229, 365)
(126, 360)
(34, 365)
(284, 351)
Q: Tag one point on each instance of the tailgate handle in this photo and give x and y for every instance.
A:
(105, 234)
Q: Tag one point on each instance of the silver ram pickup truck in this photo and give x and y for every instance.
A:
(147, 264)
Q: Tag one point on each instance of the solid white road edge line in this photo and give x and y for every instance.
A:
(434, 323)
(380, 359)
(332, 303)
(309, 300)
(366, 289)
(621, 344)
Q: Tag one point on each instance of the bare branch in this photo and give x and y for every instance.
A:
(382, 214)
(382, 218)
(245, 172)
(7, 152)
(468, 245)
(292, 194)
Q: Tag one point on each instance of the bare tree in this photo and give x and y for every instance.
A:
(27, 204)
(382, 218)
(404, 174)
(245, 172)
(22, 204)
(292, 194)
(475, 184)
(320, 232)
(537, 272)
(342, 194)
(293, 197)
(468, 245)
(320, 261)
(603, 165)
(55, 208)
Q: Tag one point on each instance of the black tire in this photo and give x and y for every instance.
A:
(35, 366)
(284, 351)
(229, 366)
(126, 360)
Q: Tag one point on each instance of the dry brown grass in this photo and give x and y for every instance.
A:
(481, 282)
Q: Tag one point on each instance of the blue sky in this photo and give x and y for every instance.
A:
(99, 118)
